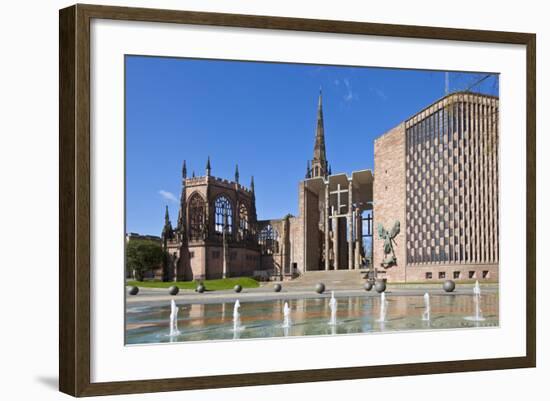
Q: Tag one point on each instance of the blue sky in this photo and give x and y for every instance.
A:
(261, 116)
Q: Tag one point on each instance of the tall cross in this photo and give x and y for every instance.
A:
(339, 191)
(368, 219)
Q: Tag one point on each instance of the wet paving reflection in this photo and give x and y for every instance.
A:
(264, 319)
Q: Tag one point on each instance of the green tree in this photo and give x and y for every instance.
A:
(142, 255)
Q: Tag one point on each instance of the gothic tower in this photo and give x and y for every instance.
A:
(319, 164)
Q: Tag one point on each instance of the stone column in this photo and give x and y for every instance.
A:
(284, 249)
(350, 224)
(224, 256)
(336, 240)
(175, 267)
(327, 233)
(224, 248)
(358, 237)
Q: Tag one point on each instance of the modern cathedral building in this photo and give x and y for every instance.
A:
(433, 200)
(437, 173)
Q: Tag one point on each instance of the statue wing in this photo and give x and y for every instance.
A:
(395, 229)
(381, 231)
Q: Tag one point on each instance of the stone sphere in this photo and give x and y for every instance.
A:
(133, 290)
(277, 287)
(368, 286)
(320, 288)
(200, 288)
(449, 285)
(173, 290)
(238, 288)
(380, 286)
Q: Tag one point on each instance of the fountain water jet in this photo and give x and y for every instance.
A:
(427, 311)
(287, 322)
(174, 319)
(237, 317)
(478, 317)
(333, 304)
(383, 307)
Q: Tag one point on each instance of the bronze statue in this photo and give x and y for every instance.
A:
(389, 239)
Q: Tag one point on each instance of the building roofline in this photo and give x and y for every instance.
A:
(478, 94)
(446, 97)
(210, 179)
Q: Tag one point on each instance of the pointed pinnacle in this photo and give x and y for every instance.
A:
(208, 167)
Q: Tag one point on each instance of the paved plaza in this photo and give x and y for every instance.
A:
(343, 283)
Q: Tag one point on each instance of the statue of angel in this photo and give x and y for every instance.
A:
(389, 239)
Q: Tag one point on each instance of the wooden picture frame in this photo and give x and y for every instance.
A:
(75, 207)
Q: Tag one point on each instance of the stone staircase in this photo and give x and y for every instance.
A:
(335, 279)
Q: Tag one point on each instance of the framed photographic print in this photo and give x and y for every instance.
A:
(250, 200)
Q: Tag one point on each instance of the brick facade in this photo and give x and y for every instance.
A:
(437, 173)
(389, 198)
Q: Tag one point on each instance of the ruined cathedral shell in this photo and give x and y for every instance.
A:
(218, 234)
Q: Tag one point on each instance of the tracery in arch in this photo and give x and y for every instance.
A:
(196, 217)
(269, 240)
(223, 215)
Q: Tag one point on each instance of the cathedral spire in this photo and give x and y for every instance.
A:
(319, 162)
(208, 167)
(319, 151)
(237, 173)
(184, 170)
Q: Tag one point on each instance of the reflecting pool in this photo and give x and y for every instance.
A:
(262, 319)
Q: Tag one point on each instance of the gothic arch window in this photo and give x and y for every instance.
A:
(243, 221)
(223, 214)
(269, 240)
(196, 217)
